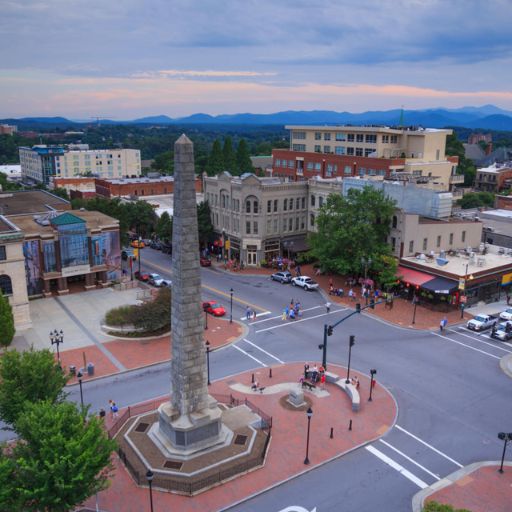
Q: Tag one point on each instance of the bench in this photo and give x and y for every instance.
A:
(309, 385)
(349, 389)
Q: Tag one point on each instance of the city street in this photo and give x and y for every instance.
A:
(452, 397)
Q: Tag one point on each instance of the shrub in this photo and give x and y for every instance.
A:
(120, 316)
(6, 322)
(434, 506)
(304, 258)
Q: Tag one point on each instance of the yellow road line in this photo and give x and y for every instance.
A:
(210, 288)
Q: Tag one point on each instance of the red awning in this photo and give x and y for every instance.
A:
(414, 277)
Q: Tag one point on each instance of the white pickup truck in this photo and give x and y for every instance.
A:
(481, 322)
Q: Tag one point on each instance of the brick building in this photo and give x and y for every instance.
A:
(494, 178)
(137, 187)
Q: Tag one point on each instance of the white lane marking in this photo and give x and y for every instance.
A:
(279, 316)
(437, 477)
(265, 313)
(428, 445)
(297, 508)
(464, 345)
(390, 462)
(293, 322)
(248, 355)
(264, 351)
(481, 341)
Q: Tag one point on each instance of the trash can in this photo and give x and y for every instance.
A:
(72, 370)
(90, 369)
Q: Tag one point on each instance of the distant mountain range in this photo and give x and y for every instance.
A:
(488, 117)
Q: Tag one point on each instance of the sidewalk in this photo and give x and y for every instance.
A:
(478, 487)
(285, 458)
(402, 313)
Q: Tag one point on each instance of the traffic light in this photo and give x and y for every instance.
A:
(372, 303)
(329, 330)
(352, 340)
(358, 308)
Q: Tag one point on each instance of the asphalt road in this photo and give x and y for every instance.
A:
(452, 397)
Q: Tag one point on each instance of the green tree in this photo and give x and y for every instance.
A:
(7, 329)
(434, 506)
(204, 222)
(216, 160)
(62, 459)
(476, 200)
(60, 192)
(164, 227)
(243, 158)
(353, 227)
(28, 377)
(164, 162)
(454, 147)
(229, 156)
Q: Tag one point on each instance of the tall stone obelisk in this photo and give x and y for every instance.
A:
(191, 420)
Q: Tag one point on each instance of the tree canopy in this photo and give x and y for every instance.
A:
(204, 223)
(215, 160)
(7, 329)
(352, 228)
(28, 377)
(229, 157)
(164, 227)
(243, 158)
(476, 200)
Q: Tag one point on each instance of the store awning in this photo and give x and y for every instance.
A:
(441, 285)
(414, 277)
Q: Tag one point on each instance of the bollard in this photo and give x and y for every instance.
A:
(270, 373)
(332, 433)
(350, 425)
(252, 379)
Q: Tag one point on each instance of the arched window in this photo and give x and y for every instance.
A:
(5, 284)
(312, 220)
(255, 206)
(312, 200)
(247, 206)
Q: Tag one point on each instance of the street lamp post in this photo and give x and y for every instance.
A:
(372, 374)
(309, 414)
(56, 338)
(149, 477)
(205, 320)
(466, 279)
(351, 342)
(79, 377)
(139, 253)
(208, 360)
(415, 302)
(231, 306)
(505, 437)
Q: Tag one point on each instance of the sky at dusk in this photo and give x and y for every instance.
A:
(133, 58)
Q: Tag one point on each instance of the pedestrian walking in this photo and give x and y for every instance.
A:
(322, 380)
(248, 313)
(287, 311)
(306, 370)
(254, 314)
(351, 295)
(442, 324)
(328, 307)
(113, 408)
(331, 284)
(283, 316)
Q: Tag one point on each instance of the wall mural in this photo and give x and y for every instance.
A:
(32, 267)
(106, 250)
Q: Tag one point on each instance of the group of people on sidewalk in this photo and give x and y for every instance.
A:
(292, 312)
(314, 374)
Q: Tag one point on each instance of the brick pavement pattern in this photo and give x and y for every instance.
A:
(286, 454)
(483, 490)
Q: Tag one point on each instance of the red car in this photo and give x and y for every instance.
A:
(213, 308)
(205, 262)
(143, 276)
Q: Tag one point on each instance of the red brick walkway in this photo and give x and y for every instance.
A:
(136, 353)
(483, 490)
(286, 454)
(401, 314)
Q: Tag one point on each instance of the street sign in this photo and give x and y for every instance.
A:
(462, 284)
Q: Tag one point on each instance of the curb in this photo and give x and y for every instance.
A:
(506, 365)
(419, 498)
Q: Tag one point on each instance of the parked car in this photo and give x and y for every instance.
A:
(507, 314)
(283, 277)
(503, 332)
(481, 322)
(156, 245)
(305, 282)
(205, 262)
(214, 308)
(142, 276)
(158, 281)
(139, 244)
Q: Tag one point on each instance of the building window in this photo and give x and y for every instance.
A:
(318, 148)
(5, 285)
(359, 151)
(285, 204)
(285, 225)
(275, 225)
(350, 151)
(318, 166)
(395, 221)
(302, 222)
(394, 139)
(255, 207)
(303, 203)
(385, 139)
(290, 224)
(269, 206)
(269, 225)
(296, 223)
(348, 170)
(299, 135)
(312, 220)
(340, 136)
(3, 255)
(320, 201)
(291, 164)
(313, 200)
(411, 246)
(291, 203)
(371, 139)
(340, 150)
(275, 205)
(438, 241)
(327, 149)
(299, 147)
(247, 206)
(393, 243)
(425, 243)
(359, 137)
(327, 136)
(350, 137)
(255, 228)
(463, 238)
(310, 166)
(368, 151)
(318, 136)
(451, 238)
(277, 162)
(248, 227)
(297, 203)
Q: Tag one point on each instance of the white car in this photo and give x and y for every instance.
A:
(158, 281)
(507, 314)
(305, 282)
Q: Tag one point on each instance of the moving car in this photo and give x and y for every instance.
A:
(507, 314)
(214, 308)
(503, 332)
(305, 282)
(205, 262)
(481, 322)
(142, 276)
(158, 281)
(283, 277)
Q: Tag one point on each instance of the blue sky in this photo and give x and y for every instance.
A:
(128, 59)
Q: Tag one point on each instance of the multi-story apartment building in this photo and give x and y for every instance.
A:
(411, 154)
(41, 163)
(494, 178)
